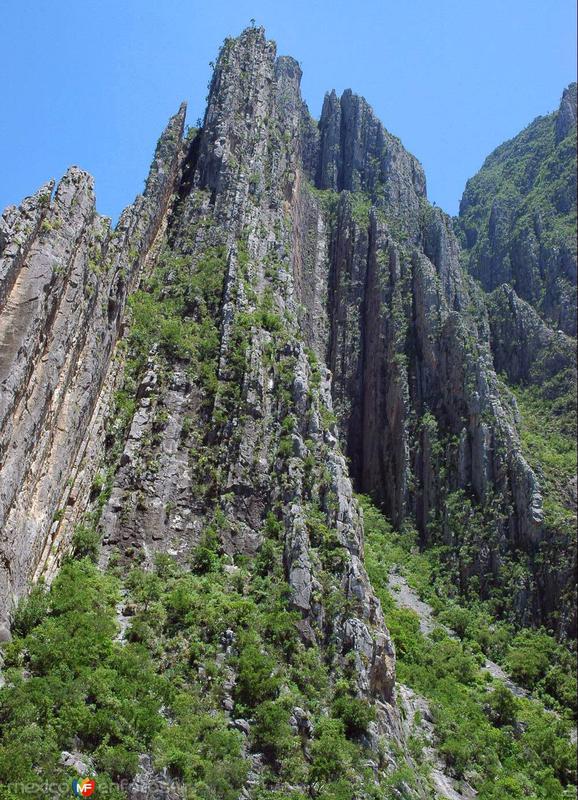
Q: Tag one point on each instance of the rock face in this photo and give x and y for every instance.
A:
(517, 223)
(418, 400)
(357, 154)
(300, 305)
(65, 276)
(267, 415)
(518, 216)
(524, 347)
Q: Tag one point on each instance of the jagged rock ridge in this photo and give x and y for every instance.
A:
(518, 216)
(339, 324)
(66, 276)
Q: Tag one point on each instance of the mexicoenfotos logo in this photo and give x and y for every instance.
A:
(83, 787)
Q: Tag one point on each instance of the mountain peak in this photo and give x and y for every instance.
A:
(566, 118)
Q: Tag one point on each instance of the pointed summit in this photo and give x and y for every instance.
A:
(357, 153)
(566, 118)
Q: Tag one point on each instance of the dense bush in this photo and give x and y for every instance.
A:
(86, 542)
(83, 688)
(502, 706)
(272, 732)
(331, 753)
(201, 750)
(73, 685)
(30, 611)
(256, 678)
(356, 714)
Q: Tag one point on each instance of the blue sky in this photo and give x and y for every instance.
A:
(93, 82)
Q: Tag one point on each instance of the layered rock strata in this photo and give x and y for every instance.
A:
(65, 276)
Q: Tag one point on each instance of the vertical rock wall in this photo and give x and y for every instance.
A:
(65, 276)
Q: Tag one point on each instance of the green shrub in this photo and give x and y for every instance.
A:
(117, 761)
(256, 678)
(356, 714)
(271, 732)
(559, 684)
(267, 558)
(273, 528)
(331, 753)
(30, 611)
(206, 555)
(530, 656)
(86, 542)
(285, 447)
(503, 706)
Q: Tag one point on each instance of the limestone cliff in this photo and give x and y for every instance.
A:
(280, 318)
(65, 276)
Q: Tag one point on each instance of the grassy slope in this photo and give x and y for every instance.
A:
(548, 442)
(507, 748)
(527, 173)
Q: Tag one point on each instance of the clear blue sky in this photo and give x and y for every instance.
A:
(93, 82)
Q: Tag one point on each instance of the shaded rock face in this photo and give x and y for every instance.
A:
(518, 216)
(523, 346)
(517, 223)
(357, 154)
(419, 404)
(339, 326)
